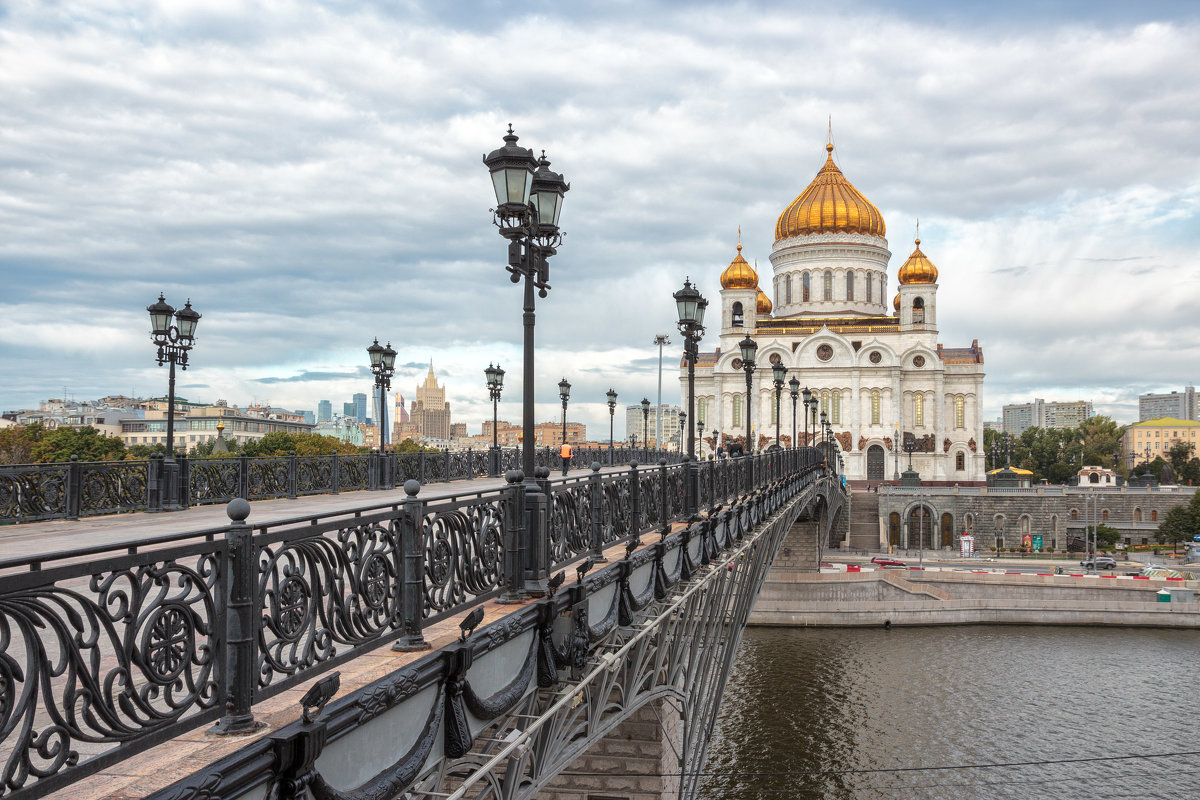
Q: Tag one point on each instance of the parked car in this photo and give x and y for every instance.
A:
(887, 561)
(1102, 562)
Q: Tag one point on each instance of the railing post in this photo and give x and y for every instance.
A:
(596, 490)
(664, 504)
(412, 555)
(185, 482)
(335, 474)
(293, 475)
(243, 475)
(514, 541)
(74, 488)
(421, 466)
(446, 464)
(373, 471)
(537, 542)
(241, 632)
(154, 483)
(635, 503)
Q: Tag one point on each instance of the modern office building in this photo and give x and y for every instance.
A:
(1176, 405)
(1019, 417)
(360, 407)
(324, 411)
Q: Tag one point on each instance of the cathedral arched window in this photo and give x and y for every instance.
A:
(774, 412)
(960, 462)
(849, 285)
(827, 280)
(918, 309)
(919, 410)
(701, 408)
(835, 411)
(960, 412)
(806, 287)
(825, 402)
(737, 410)
(737, 316)
(788, 288)
(882, 287)
(874, 406)
(869, 285)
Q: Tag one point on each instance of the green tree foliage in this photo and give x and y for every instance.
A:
(281, 443)
(409, 446)
(86, 442)
(1178, 525)
(1056, 454)
(17, 442)
(144, 451)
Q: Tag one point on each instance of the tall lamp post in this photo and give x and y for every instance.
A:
(383, 364)
(495, 384)
(808, 402)
(646, 426)
(659, 340)
(794, 387)
(528, 202)
(564, 394)
(612, 412)
(682, 424)
(749, 349)
(174, 332)
(691, 306)
(778, 373)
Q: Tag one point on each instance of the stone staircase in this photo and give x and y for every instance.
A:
(864, 521)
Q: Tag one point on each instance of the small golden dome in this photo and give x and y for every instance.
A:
(739, 274)
(763, 304)
(918, 268)
(830, 204)
(896, 302)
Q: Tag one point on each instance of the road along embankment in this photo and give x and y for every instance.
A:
(885, 598)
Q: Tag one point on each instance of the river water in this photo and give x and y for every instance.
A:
(912, 712)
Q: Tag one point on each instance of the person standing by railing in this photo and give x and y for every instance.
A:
(565, 452)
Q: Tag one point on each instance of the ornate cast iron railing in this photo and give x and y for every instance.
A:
(34, 492)
(107, 651)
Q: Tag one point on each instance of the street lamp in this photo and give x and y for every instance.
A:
(778, 373)
(495, 384)
(174, 340)
(383, 364)
(794, 387)
(659, 340)
(691, 306)
(749, 349)
(612, 411)
(646, 425)
(682, 424)
(528, 202)
(808, 402)
(564, 394)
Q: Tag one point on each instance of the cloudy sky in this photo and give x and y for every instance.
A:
(308, 174)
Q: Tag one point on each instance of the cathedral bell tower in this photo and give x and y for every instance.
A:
(917, 299)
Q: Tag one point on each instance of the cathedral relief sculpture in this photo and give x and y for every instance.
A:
(844, 439)
(971, 444)
(946, 445)
(862, 443)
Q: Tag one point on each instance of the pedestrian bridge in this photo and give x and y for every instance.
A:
(477, 644)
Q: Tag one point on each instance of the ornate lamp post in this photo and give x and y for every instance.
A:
(778, 373)
(564, 394)
(495, 384)
(794, 388)
(749, 349)
(646, 426)
(383, 364)
(808, 401)
(174, 332)
(528, 202)
(682, 424)
(691, 306)
(612, 412)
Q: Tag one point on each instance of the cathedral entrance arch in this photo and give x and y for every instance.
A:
(921, 524)
(876, 458)
(947, 530)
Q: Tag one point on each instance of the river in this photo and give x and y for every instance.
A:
(911, 713)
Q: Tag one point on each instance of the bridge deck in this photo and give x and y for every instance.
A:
(159, 767)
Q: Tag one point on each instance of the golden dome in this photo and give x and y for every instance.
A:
(918, 268)
(896, 302)
(763, 304)
(739, 274)
(830, 204)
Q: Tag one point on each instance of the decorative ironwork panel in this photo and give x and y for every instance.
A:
(675, 491)
(570, 521)
(510, 459)
(323, 596)
(31, 492)
(616, 509)
(463, 544)
(268, 477)
(110, 487)
(651, 499)
(353, 472)
(408, 467)
(460, 466)
(213, 480)
(92, 660)
(314, 475)
(479, 463)
(435, 468)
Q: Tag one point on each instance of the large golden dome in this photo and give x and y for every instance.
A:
(763, 304)
(830, 204)
(918, 268)
(739, 274)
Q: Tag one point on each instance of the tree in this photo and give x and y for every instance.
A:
(1106, 536)
(17, 441)
(86, 442)
(1178, 525)
(144, 451)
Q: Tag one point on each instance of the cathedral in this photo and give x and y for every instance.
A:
(884, 382)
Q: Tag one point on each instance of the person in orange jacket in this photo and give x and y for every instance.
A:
(565, 452)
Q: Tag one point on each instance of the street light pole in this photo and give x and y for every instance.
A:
(174, 332)
(612, 411)
(691, 306)
(808, 399)
(495, 384)
(682, 423)
(660, 340)
(778, 373)
(528, 203)
(794, 387)
(749, 349)
(646, 427)
(383, 365)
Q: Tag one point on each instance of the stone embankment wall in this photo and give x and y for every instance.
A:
(893, 598)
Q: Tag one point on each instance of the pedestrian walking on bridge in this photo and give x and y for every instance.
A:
(565, 452)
